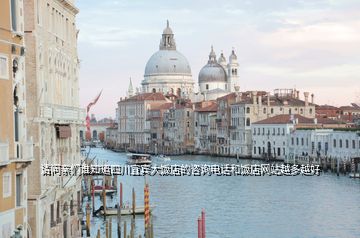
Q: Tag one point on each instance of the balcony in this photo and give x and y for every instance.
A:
(4, 154)
(62, 113)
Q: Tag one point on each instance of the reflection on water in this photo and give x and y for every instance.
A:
(269, 206)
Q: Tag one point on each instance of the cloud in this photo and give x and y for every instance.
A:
(311, 44)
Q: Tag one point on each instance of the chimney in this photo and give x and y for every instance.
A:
(312, 98)
(268, 99)
(254, 96)
(297, 94)
(315, 121)
(260, 100)
(306, 95)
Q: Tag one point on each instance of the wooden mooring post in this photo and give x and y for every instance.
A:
(125, 236)
(133, 203)
(201, 225)
(88, 220)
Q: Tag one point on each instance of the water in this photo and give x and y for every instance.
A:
(319, 206)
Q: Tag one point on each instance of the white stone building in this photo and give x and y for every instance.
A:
(216, 78)
(133, 124)
(338, 143)
(254, 106)
(270, 137)
(54, 115)
(168, 71)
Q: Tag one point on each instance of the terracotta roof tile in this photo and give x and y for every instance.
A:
(285, 119)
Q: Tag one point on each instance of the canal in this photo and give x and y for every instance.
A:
(267, 206)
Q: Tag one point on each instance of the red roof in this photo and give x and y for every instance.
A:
(147, 97)
(286, 119)
(210, 108)
(163, 106)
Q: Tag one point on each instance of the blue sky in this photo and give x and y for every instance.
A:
(313, 45)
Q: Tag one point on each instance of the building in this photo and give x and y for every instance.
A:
(111, 137)
(97, 129)
(223, 123)
(168, 71)
(178, 125)
(155, 117)
(205, 130)
(16, 147)
(216, 78)
(327, 111)
(340, 143)
(54, 115)
(255, 106)
(133, 125)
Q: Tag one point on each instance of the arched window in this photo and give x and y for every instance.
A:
(248, 110)
(247, 121)
(154, 90)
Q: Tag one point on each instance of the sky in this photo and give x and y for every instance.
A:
(313, 45)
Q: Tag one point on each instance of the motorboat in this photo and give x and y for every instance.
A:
(139, 159)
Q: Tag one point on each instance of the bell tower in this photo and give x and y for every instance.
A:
(167, 41)
(233, 68)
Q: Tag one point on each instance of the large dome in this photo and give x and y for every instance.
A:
(167, 62)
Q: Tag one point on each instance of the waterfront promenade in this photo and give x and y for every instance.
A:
(268, 206)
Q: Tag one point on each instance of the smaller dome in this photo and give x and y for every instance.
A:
(212, 72)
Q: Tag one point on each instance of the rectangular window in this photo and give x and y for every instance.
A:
(18, 189)
(52, 215)
(13, 15)
(16, 125)
(6, 184)
(78, 201)
(353, 144)
(58, 211)
(4, 67)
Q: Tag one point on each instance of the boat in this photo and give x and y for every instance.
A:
(139, 159)
(354, 175)
(164, 157)
(125, 210)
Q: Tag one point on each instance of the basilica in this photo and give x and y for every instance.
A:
(169, 72)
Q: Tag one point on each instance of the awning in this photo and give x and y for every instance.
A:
(63, 131)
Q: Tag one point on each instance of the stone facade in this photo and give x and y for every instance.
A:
(254, 106)
(54, 114)
(205, 128)
(133, 124)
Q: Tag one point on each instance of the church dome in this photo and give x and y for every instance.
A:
(167, 62)
(212, 71)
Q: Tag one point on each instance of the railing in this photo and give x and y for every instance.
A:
(27, 151)
(4, 153)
